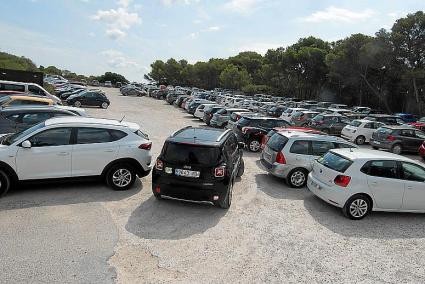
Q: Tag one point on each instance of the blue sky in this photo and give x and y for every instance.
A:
(126, 36)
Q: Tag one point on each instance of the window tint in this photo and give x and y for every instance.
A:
(51, 137)
(33, 118)
(191, 155)
(279, 123)
(413, 172)
(277, 142)
(321, 147)
(93, 135)
(335, 162)
(408, 133)
(12, 87)
(420, 134)
(36, 90)
(300, 147)
(384, 169)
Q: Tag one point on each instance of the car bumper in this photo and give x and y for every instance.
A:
(277, 170)
(348, 138)
(380, 144)
(332, 195)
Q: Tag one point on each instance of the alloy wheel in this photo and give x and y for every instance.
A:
(358, 208)
(104, 105)
(254, 146)
(298, 178)
(121, 177)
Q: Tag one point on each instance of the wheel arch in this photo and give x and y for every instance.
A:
(10, 171)
(132, 162)
(368, 196)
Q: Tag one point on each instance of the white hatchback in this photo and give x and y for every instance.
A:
(76, 147)
(360, 131)
(360, 181)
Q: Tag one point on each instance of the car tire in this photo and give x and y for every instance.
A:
(360, 140)
(157, 196)
(104, 105)
(357, 207)
(254, 145)
(297, 178)
(397, 149)
(375, 148)
(77, 104)
(120, 177)
(5, 183)
(241, 169)
(227, 201)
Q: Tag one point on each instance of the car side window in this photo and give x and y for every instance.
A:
(413, 172)
(33, 118)
(36, 90)
(321, 147)
(384, 169)
(377, 125)
(369, 125)
(93, 135)
(51, 137)
(408, 133)
(12, 87)
(231, 146)
(14, 117)
(300, 147)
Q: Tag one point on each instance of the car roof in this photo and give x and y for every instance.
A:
(199, 136)
(85, 120)
(35, 107)
(31, 98)
(297, 134)
(398, 127)
(367, 154)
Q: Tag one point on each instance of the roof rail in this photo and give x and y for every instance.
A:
(180, 130)
(222, 135)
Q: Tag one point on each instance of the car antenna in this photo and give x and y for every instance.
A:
(122, 118)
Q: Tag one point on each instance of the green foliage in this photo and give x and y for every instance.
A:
(9, 61)
(233, 78)
(113, 77)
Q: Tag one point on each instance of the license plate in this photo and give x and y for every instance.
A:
(187, 173)
(315, 185)
(377, 142)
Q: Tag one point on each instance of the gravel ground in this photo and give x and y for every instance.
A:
(272, 233)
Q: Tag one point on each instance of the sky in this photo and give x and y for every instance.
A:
(91, 37)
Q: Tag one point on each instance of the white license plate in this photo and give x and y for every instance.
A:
(187, 173)
(377, 142)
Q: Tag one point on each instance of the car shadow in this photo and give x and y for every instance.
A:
(277, 188)
(63, 193)
(172, 220)
(377, 225)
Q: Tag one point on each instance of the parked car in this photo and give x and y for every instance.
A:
(178, 102)
(74, 147)
(266, 138)
(67, 94)
(16, 119)
(134, 91)
(90, 98)
(286, 115)
(360, 131)
(407, 117)
(252, 129)
(199, 112)
(329, 123)
(303, 118)
(289, 154)
(276, 111)
(422, 151)
(386, 119)
(420, 124)
(108, 84)
(209, 113)
(221, 117)
(360, 181)
(27, 88)
(203, 170)
(397, 139)
(342, 106)
(7, 101)
(194, 105)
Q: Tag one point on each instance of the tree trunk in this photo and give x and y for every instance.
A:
(376, 93)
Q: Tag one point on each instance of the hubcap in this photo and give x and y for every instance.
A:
(121, 177)
(397, 150)
(254, 146)
(104, 105)
(298, 178)
(77, 104)
(358, 208)
(360, 140)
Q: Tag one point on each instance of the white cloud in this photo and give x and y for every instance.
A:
(241, 6)
(259, 47)
(115, 33)
(171, 2)
(334, 14)
(117, 59)
(212, 29)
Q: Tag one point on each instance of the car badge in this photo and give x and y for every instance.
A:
(187, 167)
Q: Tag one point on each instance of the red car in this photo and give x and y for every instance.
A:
(420, 124)
(294, 128)
(422, 151)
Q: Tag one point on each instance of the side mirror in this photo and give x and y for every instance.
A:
(26, 144)
(241, 145)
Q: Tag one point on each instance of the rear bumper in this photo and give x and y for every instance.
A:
(380, 144)
(278, 170)
(332, 195)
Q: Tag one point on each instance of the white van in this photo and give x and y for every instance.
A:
(27, 88)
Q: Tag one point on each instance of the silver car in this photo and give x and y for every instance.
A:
(221, 118)
(289, 154)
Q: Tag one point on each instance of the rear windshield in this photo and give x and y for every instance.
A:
(355, 123)
(191, 154)
(318, 117)
(244, 121)
(384, 130)
(335, 162)
(277, 142)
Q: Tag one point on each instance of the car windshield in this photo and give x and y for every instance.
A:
(335, 162)
(244, 121)
(10, 139)
(355, 123)
(191, 154)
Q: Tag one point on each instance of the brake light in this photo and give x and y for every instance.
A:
(219, 172)
(238, 117)
(390, 138)
(342, 180)
(146, 146)
(159, 165)
(280, 158)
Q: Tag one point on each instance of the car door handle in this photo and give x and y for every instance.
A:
(410, 187)
(109, 150)
(63, 153)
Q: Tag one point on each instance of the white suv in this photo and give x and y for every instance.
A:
(289, 154)
(70, 147)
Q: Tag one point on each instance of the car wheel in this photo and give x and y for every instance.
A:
(104, 105)
(121, 177)
(375, 148)
(254, 145)
(5, 183)
(297, 178)
(241, 169)
(357, 207)
(227, 201)
(326, 131)
(360, 140)
(77, 104)
(397, 149)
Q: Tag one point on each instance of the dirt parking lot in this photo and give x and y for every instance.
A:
(272, 233)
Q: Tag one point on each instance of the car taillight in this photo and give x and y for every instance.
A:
(342, 180)
(280, 158)
(220, 172)
(390, 138)
(146, 146)
(159, 165)
(238, 117)
(245, 130)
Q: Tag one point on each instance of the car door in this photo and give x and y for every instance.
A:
(300, 154)
(384, 183)
(409, 140)
(94, 148)
(49, 156)
(414, 182)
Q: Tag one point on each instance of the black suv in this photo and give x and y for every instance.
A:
(251, 130)
(198, 164)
